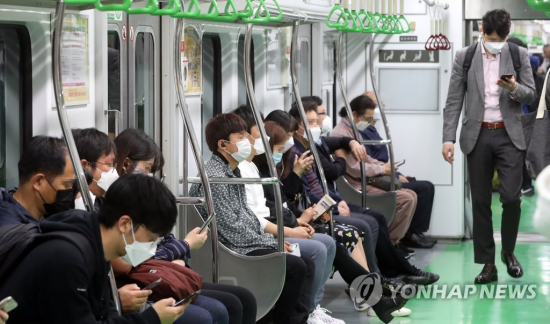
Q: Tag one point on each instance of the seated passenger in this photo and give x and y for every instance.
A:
(238, 226)
(57, 282)
(425, 190)
(46, 179)
(217, 303)
(324, 121)
(97, 154)
(320, 248)
(406, 199)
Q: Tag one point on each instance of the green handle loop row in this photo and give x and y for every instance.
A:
(173, 7)
(80, 2)
(150, 7)
(364, 22)
(114, 6)
(258, 19)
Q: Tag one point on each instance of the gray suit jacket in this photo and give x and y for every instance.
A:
(475, 100)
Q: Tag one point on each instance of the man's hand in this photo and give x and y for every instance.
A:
(308, 227)
(303, 163)
(3, 317)
(301, 233)
(308, 214)
(288, 249)
(132, 297)
(387, 168)
(358, 151)
(343, 209)
(448, 153)
(180, 262)
(403, 179)
(166, 312)
(196, 240)
(509, 84)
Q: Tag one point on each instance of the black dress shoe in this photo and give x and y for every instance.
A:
(487, 275)
(427, 239)
(415, 241)
(512, 264)
(387, 305)
(419, 277)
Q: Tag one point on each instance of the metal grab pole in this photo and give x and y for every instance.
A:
(312, 147)
(66, 129)
(343, 90)
(196, 149)
(381, 106)
(268, 152)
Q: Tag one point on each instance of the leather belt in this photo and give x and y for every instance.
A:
(497, 125)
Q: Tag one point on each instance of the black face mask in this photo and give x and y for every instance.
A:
(64, 200)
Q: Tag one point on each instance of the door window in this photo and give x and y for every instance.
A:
(145, 82)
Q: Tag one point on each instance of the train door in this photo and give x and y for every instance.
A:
(117, 69)
(144, 74)
(15, 99)
(212, 82)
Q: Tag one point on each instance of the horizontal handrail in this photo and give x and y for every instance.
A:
(235, 180)
(376, 142)
(190, 200)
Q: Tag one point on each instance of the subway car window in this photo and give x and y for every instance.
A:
(145, 82)
(114, 74)
(14, 67)
(212, 78)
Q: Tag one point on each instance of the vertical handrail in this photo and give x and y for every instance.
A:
(268, 152)
(343, 90)
(301, 110)
(196, 149)
(382, 108)
(64, 121)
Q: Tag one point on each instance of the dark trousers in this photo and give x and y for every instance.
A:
(425, 191)
(389, 261)
(349, 269)
(293, 304)
(240, 302)
(495, 148)
(526, 178)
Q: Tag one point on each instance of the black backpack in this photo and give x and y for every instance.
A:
(514, 51)
(18, 240)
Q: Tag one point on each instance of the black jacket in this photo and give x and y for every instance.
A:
(52, 285)
(289, 212)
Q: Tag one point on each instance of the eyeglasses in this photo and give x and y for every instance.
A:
(107, 164)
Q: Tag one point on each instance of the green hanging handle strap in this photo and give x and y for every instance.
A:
(257, 19)
(352, 19)
(80, 2)
(337, 9)
(213, 10)
(403, 19)
(230, 13)
(114, 6)
(364, 18)
(280, 15)
(174, 6)
(189, 14)
(150, 7)
(248, 10)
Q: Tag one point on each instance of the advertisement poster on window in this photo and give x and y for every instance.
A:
(74, 60)
(193, 53)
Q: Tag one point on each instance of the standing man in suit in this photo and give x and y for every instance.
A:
(491, 136)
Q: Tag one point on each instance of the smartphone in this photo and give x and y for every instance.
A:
(153, 285)
(8, 304)
(206, 223)
(400, 163)
(506, 76)
(295, 250)
(186, 299)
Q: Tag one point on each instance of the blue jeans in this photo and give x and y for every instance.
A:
(321, 249)
(205, 310)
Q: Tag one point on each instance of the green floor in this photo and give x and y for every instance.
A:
(456, 267)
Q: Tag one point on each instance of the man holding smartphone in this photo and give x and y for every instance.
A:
(492, 135)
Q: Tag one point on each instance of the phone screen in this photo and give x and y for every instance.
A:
(8, 304)
(153, 285)
(506, 76)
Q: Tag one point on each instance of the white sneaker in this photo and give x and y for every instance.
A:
(313, 319)
(398, 313)
(321, 314)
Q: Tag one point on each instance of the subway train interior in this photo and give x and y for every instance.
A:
(123, 64)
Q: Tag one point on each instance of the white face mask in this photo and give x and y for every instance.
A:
(494, 47)
(327, 125)
(362, 125)
(288, 145)
(259, 146)
(315, 132)
(243, 150)
(107, 179)
(138, 252)
(79, 202)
